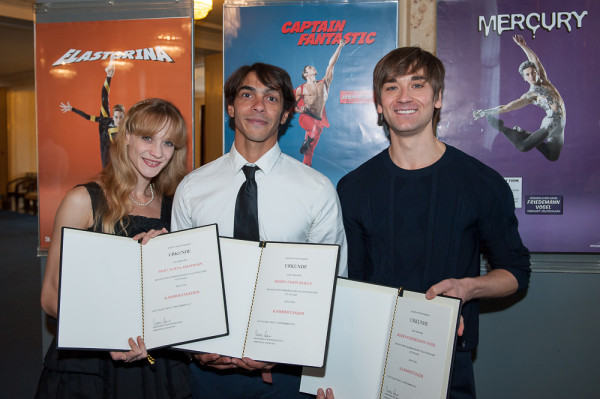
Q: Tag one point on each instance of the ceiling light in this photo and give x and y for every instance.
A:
(201, 8)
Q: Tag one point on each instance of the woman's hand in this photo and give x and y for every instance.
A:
(328, 394)
(137, 352)
(145, 237)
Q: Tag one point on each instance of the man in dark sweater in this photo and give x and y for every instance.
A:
(419, 214)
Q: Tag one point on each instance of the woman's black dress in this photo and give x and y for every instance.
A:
(93, 374)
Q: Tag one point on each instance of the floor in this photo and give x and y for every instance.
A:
(21, 327)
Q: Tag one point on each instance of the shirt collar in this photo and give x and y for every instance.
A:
(265, 163)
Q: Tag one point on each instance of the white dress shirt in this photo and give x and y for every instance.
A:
(295, 202)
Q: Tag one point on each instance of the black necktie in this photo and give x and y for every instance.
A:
(245, 224)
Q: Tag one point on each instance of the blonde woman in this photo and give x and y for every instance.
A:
(131, 197)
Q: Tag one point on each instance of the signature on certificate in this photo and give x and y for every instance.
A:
(158, 323)
(262, 334)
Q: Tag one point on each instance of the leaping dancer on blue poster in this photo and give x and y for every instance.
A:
(310, 104)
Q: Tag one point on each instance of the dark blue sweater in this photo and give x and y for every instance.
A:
(415, 228)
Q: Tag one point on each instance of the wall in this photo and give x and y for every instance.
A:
(3, 144)
(212, 139)
(18, 147)
(22, 145)
(544, 346)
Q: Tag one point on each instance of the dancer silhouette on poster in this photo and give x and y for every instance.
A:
(107, 125)
(549, 138)
(310, 104)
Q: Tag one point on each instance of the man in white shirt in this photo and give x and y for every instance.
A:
(295, 204)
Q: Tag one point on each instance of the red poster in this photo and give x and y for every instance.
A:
(84, 69)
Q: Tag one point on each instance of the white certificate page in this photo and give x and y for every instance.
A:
(100, 291)
(292, 304)
(183, 287)
(421, 347)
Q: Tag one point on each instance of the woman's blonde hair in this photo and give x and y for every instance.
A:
(118, 179)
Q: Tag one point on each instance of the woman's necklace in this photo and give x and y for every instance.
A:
(149, 201)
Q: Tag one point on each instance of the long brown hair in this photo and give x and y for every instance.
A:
(146, 118)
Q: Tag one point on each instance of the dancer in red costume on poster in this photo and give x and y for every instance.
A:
(310, 104)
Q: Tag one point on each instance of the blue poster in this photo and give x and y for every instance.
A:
(329, 49)
(515, 70)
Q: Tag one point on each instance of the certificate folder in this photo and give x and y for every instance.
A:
(387, 343)
(279, 301)
(168, 291)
